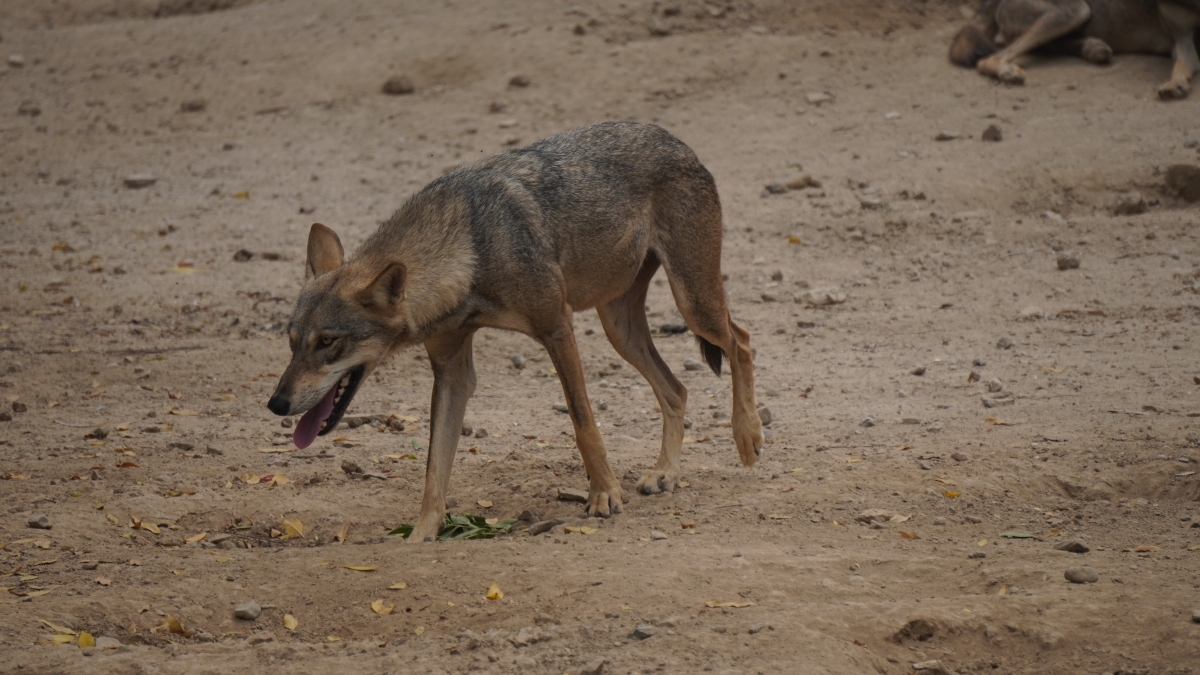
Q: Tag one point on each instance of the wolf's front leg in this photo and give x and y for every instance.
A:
(453, 384)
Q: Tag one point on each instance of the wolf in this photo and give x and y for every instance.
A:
(1091, 29)
(520, 241)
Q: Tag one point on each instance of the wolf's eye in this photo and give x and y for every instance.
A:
(326, 341)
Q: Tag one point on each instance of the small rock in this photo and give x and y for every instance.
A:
(755, 628)
(248, 611)
(481, 433)
(450, 502)
(95, 475)
(874, 516)
(560, 408)
(1081, 575)
(805, 181)
(819, 97)
(821, 297)
(193, 105)
(1196, 615)
(467, 430)
(1131, 204)
(974, 376)
(350, 467)
(398, 85)
(519, 81)
(594, 667)
(16, 60)
(777, 275)
(994, 385)
(657, 535)
(214, 450)
(39, 522)
(543, 526)
(19, 407)
(973, 519)
(692, 364)
(1032, 313)
(260, 638)
(105, 642)
(769, 297)
(601, 404)
(137, 181)
(643, 631)
(90, 565)
(29, 109)
(925, 464)
(1004, 343)
(6, 415)
(572, 495)
(519, 361)
(918, 371)
(1068, 260)
(960, 457)
(996, 402)
(939, 521)
(868, 422)
(992, 134)
(1073, 546)
(1184, 180)
(947, 136)
(765, 416)
(286, 423)
(219, 537)
(775, 188)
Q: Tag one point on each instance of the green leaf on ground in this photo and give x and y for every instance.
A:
(462, 527)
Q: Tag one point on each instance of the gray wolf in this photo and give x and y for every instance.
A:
(1090, 29)
(521, 240)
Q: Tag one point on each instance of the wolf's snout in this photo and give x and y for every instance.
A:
(279, 405)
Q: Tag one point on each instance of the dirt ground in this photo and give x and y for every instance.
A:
(140, 346)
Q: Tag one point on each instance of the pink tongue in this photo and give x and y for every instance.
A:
(310, 424)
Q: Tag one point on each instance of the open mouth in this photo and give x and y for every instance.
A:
(323, 417)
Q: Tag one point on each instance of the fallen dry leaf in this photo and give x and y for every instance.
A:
(360, 568)
(104, 581)
(379, 607)
(342, 533)
(112, 519)
(170, 624)
(418, 630)
(292, 528)
(86, 640)
(483, 503)
(56, 628)
(196, 537)
(290, 622)
(398, 586)
(735, 605)
(909, 535)
(494, 592)
(278, 479)
(952, 495)
(250, 478)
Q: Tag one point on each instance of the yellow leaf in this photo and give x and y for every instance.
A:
(292, 528)
(952, 495)
(178, 573)
(332, 638)
(909, 535)
(996, 421)
(1003, 589)
(250, 478)
(112, 519)
(241, 195)
(290, 622)
(86, 640)
(793, 240)
(57, 628)
(196, 537)
(494, 592)
(398, 586)
(736, 605)
(182, 413)
(983, 542)
(342, 533)
(484, 503)
(418, 630)
(278, 479)
(360, 568)
(1146, 549)
(1194, 547)
(379, 607)
(38, 594)
(123, 427)
(62, 639)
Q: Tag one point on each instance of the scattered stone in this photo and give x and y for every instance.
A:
(994, 385)
(467, 430)
(214, 450)
(350, 467)
(657, 535)
(765, 416)
(933, 667)
(5, 416)
(138, 181)
(481, 433)
(601, 404)
(692, 364)
(918, 371)
(16, 60)
(947, 136)
(1081, 575)
(974, 376)
(1131, 204)
(543, 526)
(821, 297)
(105, 642)
(775, 188)
(997, 402)
(975, 520)
(939, 521)
(243, 256)
(95, 475)
(769, 297)
(874, 516)
(519, 361)
(19, 407)
(594, 667)
(260, 638)
(805, 181)
(925, 464)
(398, 85)
(572, 495)
(29, 109)
(560, 408)
(868, 422)
(248, 611)
(1032, 313)
(960, 457)
(193, 105)
(1004, 343)
(643, 631)
(755, 628)
(917, 629)
(39, 522)
(1068, 260)
(992, 134)
(819, 97)
(978, 555)
(519, 81)
(1196, 615)
(673, 328)
(1073, 546)
(1184, 180)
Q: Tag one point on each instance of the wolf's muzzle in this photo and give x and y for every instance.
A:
(279, 405)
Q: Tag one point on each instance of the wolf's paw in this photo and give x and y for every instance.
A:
(1010, 74)
(1096, 51)
(604, 500)
(426, 529)
(658, 480)
(1174, 90)
(749, 443)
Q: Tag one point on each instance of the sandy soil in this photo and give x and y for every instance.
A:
(126, 311)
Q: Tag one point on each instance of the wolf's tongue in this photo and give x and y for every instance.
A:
(310, 424)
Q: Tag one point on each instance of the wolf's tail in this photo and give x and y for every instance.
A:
(711, 353)
(974, 41)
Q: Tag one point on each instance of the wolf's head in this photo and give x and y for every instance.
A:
(341, 329)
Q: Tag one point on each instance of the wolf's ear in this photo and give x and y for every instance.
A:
(387, 289)
(324, 251)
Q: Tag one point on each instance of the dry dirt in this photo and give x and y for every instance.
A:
(125, 310)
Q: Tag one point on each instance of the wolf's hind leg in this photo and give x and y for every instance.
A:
(1182, 23)
(1030, 24)
(624, 321)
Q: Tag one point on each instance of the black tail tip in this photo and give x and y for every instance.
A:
(712, 354)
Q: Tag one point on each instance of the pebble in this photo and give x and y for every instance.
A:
(248, 611)
(978, 555)
(481, 433)
(214, 450)
(874, 516)
(350, 467)
(90, 565)
(398, 85)
(558, 407)
(918, 371)
(1184, 180)
(992, 134)
(594, 667)
(39, 522)
(1004, 343)
(193, 105)
(105, 642)
(821, 297)
(973, 519)
(939, 521)
(572, 495)
(543, 526)
(819, 97)
(1196, 615)
(643, 631)
(994, 385)
(19, 407)
(1131, 204)
(138, 181)
(95, 475)
(601, 404)
(657, 535)
(775, 188)
(868, 422)
(467, 430)
(777, 275)
(947, 136)
(29, 109)
(692, 364)
(925, 464)
(1068, 260)
(1073, 546)
(960, 457)
(519, 81)
(765, 416)
(519, 361)
(755, 628)
(1081, 575)
(5, 416)
(996, 402)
